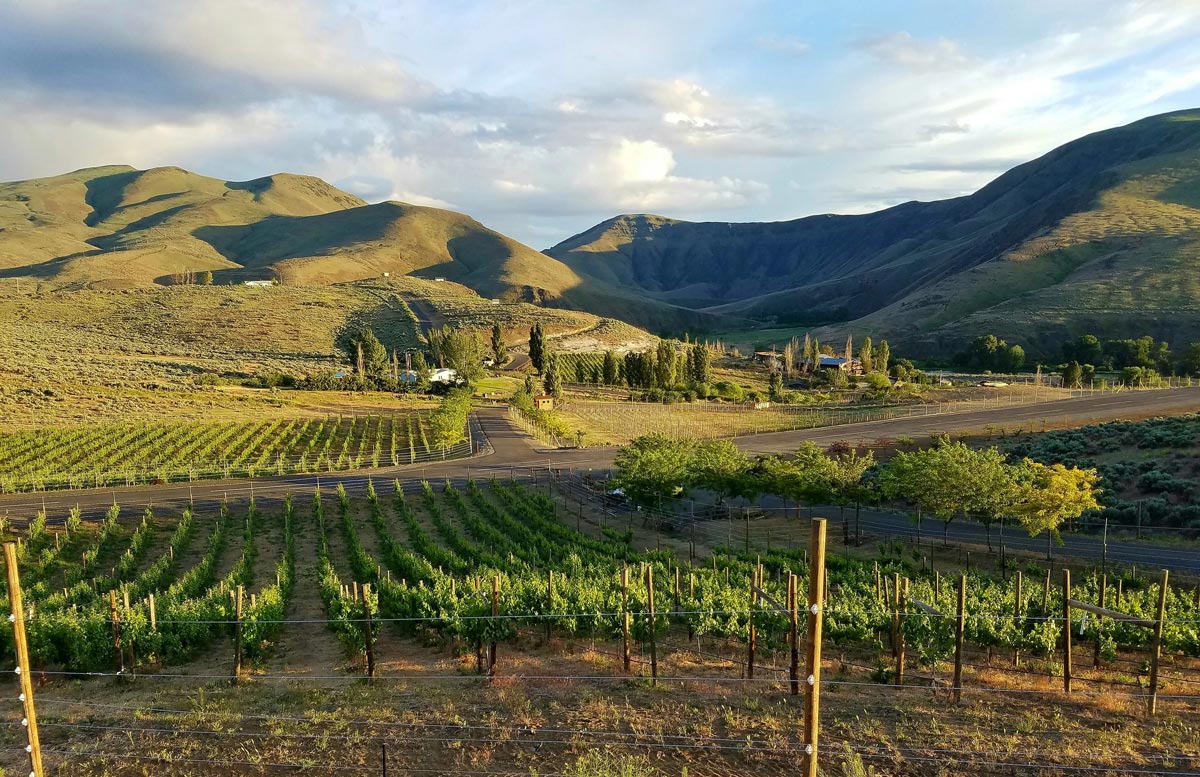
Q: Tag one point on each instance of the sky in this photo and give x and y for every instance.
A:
(541, 119)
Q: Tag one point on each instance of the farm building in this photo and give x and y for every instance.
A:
(544, 402)
(848, 366)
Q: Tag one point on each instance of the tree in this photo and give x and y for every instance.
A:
(700, 370)
(866, 355)
(462, 351)
(775, 385)
(1072, 375)
(551, 379)
(788, 358)
(720, 466)
(808, 476)
(883, 355)
(610, 368)
(653, 468)
(806, 353)
(369, 354)
(421, 368)
(580, 371)
(1086, 349)
(948, 480)
(537, 345)
(499, 350)
(205, 278)
(664, 364)
(1015, 358)
(436, 338)
(1050, 494)
(849, 354)
(1189, 362)
(448, 423)
(1088, 374)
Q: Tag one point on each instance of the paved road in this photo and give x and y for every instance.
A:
(513, 449)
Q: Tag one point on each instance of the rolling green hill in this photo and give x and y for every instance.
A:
(1101, 235)
(117, 227)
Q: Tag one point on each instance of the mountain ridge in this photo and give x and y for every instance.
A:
(1102, 232)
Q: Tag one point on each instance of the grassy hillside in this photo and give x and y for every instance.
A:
(1099, 235)
(117, 227)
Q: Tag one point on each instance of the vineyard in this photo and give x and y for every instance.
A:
(471, 596)
(132, 453)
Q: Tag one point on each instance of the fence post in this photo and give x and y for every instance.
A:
(153, 614)
(625, 617)
(1100, 621)
(959, 631)
(653, 641)
(495, 613)
(1156, 646)
(794, 634)
(901, 606)
(812, 698)
(1066, 611)
(549, 599)
(24, 670)
(750, 624)
(1017, 618)
(368, 630)
(237, 635)
(118, 654)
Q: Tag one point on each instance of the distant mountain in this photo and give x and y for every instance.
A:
(120, 227)
(1101, 234)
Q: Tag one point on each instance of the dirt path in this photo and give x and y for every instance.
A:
(308, 647)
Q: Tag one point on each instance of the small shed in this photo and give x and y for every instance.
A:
(544, 402)
(851, 366)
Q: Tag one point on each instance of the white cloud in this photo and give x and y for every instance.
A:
(786, 44)
(539, 124)
(903, 49)
(642, 160)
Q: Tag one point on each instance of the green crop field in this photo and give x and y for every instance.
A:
(501, 581)
(131, 453)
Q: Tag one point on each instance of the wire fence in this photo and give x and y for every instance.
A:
(152, 737)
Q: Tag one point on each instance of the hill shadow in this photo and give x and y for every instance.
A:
(103, 195)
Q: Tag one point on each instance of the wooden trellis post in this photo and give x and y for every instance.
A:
(653, 640)
(816, 603)
(959, 631)
(118, 653)
(750, 623)
(549, 599)
(237, 634)
(1100, 621)
(793, 634)
(1017, 606)
(1066, 630)
(625, 618)
(1156, 645)
(368, 630)
(23, 664)
(495, 613)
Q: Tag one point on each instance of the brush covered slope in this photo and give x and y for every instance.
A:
(1100, 235)
(117, 227)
